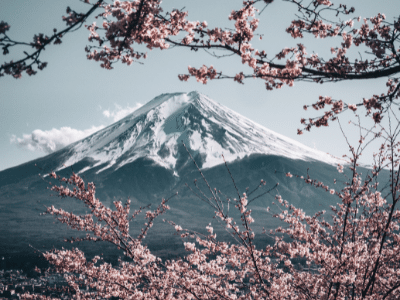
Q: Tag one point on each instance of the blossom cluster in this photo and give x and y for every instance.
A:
(353, 253)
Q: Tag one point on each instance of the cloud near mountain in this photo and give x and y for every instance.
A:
(119, 112)
(49, 141)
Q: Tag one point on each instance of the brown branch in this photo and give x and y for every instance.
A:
(35, 55)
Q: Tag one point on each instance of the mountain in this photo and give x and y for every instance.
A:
(156, 130)
(142, 157)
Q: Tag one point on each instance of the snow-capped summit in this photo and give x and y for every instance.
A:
(207, 128)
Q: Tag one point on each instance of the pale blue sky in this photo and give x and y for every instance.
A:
(73, 92)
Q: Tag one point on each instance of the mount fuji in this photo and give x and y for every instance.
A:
(143, 157)
(155, 131)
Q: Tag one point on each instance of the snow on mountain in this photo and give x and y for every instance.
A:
(207, 128)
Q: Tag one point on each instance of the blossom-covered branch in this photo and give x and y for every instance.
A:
(27, 64)
(128, 24)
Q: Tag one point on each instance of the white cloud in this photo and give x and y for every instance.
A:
(52, 140)
(49, 141)
(119, 112)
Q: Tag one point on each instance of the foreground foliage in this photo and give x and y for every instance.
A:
(353, 255)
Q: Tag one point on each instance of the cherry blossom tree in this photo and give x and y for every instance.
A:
(353, 255)
(121, 26)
